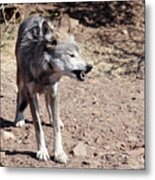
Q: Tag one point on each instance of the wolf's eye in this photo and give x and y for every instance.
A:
(72, 55)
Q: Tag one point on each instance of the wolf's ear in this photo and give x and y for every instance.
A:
(64, 23)
(46, 31)
(45, 28)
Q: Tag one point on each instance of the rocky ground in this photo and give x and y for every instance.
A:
(103, 116)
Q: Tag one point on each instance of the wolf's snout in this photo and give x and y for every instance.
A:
(89, 67)
(80, 74)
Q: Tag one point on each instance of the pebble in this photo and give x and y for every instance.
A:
(7, 135)
(107, 147)
(2, 154)
(136, 158)
(132, 141)
(96, 113)
(80, 149)
(99, 140)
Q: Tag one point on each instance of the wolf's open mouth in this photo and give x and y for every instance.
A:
(79, 74)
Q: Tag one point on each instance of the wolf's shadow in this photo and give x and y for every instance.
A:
(5, 123)
(23, 153)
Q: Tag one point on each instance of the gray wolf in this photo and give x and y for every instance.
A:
(44, 54)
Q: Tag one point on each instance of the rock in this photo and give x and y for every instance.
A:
(136, 152)
(124, 31)
(7, 135)
(99, 140)
(106, 147)
(132, 141)
(132, 138)
(136, 158)
(110, 156)
(2, 155)
(96, 113)
(80, 149)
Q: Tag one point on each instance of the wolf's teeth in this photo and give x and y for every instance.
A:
(82, 75)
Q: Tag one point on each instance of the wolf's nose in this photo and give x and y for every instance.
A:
(88, 68)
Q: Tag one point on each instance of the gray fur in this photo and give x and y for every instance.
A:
(45, 54)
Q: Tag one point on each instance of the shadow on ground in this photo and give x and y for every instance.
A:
(5, 123)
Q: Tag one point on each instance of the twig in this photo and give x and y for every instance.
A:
(3, 13)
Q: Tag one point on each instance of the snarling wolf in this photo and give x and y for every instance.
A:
(44, 54)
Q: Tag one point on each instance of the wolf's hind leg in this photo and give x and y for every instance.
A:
(22, 103)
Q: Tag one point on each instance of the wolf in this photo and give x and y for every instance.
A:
(45, 54)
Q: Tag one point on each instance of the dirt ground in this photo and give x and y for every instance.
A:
(105, 113)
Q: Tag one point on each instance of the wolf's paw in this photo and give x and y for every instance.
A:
(61, 125)
(61, 157)
(20, 123)
(43, 155)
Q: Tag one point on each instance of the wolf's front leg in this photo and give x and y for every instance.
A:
(48, 101)
(59, 154)
(42, 153)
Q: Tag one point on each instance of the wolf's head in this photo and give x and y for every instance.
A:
(63, 52)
